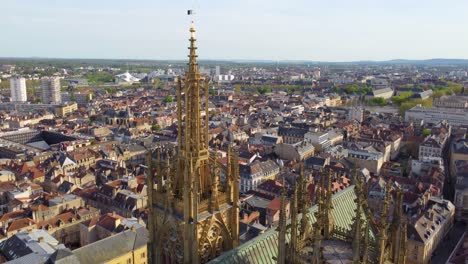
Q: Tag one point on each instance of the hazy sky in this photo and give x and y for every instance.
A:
(326, 30)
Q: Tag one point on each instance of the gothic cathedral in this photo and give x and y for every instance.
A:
(194, 215)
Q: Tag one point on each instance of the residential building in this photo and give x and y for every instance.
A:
(297, 152)
(434, 144)
(18, 89)
(458, 152)
(35, 246)
(273, 211)
(292, 135)
(370, 159)
(50, 90)
(461, 190)
(65, 109)
(83, 98)
(319, 139)
(254, 174)
(428, 230)
(356, 113)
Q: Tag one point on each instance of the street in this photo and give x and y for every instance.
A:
(447, 245)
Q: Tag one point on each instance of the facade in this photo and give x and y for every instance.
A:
(461, 194)
(430, 148)
(372, 161)
(65, 109)
(455, 117)
(194, 217)
(297, 152)
(356, 113)
(320, 140)
(452, 101)
(18, 89)
(83, 98)
(458, 152)
(434, 145)
(255, 173)
(50, 90)
(292, 135)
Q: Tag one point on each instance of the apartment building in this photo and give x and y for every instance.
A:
(18, 89)
(50, 90)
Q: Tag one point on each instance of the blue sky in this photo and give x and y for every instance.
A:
(326, 30)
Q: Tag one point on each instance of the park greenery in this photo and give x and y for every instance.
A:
(99, 77)
(377, 101)
(264, 90)
(405, 101)
(402, 97)
(356, 89)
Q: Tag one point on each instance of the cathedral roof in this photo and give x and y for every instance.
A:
(264, 248)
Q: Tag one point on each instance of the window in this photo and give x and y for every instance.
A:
(129, 261)
(143, 255)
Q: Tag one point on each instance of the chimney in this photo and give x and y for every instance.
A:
(40, 239)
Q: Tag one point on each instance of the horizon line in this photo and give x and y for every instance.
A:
(464, 60)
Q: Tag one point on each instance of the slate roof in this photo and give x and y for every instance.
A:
(25, 247)
(64, 255)
(264, 248)
(14, 247)
(315, 161)
(293, 131)
(270, 139)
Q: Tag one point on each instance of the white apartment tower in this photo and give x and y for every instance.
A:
(18, 89)
(50, 87)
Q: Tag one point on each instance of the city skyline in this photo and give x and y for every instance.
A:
(374, 30)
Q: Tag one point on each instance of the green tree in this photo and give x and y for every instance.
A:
(377, 101)
(439, 93)
(168, 99)
(237, 89)
(426, 132)
(352, 88)
(156, 82)
(412, 103)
